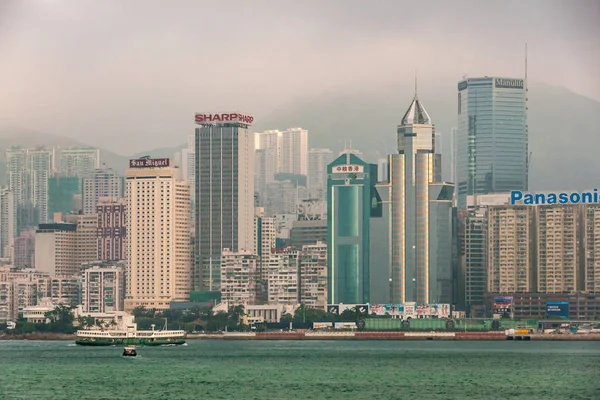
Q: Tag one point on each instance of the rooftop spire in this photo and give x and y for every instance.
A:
(415, 82)
(416, 113)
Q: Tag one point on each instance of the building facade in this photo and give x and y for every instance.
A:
(24, 253)
(112, 231)
(158, 226)
(294, 152)
(62, 247)
(7, 223)
(351, 201)
(316, 180)
(101, 183)
(239, 271)
(27, 173)
(313, 275)
(421, 233)
(492, 138)
(103, 288)
(224, 194)
(79, 162)
(61, 194)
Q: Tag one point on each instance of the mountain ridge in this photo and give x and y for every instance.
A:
(562, 128)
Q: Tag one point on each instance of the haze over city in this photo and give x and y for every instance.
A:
(127, 76)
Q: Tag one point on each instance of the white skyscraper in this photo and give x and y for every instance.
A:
(318, 160)
(290, 148)
(40, 165)
(294, 152)
(158, 235)
(79, 162)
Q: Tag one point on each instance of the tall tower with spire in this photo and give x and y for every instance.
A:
(420, 229)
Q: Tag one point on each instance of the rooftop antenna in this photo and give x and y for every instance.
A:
(415, 82)
(528, 165)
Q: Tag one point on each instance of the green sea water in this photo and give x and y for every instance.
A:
(213, 369)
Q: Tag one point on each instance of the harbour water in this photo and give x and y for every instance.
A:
(211, 369)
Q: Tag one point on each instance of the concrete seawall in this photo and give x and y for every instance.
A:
(473, 336)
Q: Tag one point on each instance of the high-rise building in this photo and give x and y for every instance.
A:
(188, 160)
(492, 138)
(382, 169)
(103, 288)
(270, 142)
(282, 276)
(63, 246)
(557, 248)
(510, 249)
(453, 134)
(415, 173)
(79, 162)
(351, 201)
(158, 235)
(7, 223)
(590, 250)
(313, 275)
(239, 272)
(290, 148)
(224, 192)
(112, 232)
(265, 168)
(61, 194)
(316, 180)
(24, 254)
(17, 182)
(40, 167)
(474, 248)
(27, 173)
(99, 183)
(265, 233)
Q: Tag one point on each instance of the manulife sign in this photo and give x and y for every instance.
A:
(519, 197)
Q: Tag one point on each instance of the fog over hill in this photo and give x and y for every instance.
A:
(564, 128)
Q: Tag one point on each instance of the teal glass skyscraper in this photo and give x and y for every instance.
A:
(351, 201)
(492, 138)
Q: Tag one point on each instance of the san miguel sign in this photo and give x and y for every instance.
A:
(509, 83)
(223, 118)
(149, 163)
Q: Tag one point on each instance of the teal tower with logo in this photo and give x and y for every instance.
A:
(351, 202)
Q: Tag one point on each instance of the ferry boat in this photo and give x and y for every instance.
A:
(129, 336)
(129, 351)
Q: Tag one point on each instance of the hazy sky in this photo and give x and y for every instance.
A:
(128, 75)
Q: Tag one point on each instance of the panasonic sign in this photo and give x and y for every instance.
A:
(518, 197)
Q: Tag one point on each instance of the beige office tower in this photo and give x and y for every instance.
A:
(411, 172)
(510, 249)
(158, 235)
(557, 249)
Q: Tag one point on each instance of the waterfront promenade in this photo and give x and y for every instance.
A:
(388, 336)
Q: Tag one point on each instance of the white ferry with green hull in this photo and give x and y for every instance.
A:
(129, 336)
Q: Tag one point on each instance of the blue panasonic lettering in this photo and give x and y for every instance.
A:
(575, 198)
(563, 198)
(515, 196)
(540, 198)
(591, 197)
